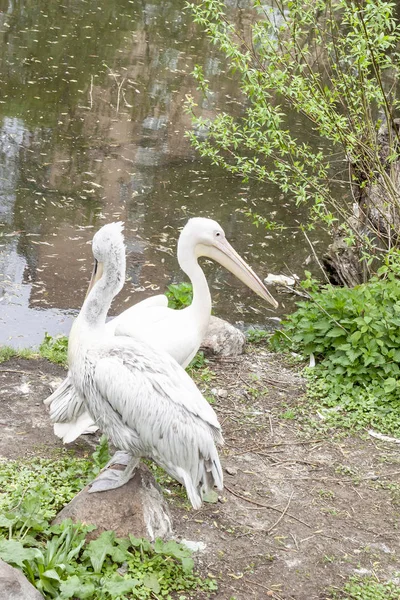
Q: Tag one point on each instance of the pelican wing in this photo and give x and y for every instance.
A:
(133, 366)
(135, 314)
(65, 403)
(150, 407)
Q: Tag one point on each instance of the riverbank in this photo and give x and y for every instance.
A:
(303, 510)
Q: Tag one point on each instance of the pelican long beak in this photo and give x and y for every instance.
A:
(227, 256)
(96, 275)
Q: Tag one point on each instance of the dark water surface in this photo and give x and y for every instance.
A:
(93, 130)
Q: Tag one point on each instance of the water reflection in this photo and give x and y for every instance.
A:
(92, 129)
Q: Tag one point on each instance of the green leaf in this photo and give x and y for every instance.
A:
(51, 574)
(355, 336)
(389, 385)
(336, 332)
(151, 581)
(98, 549)
(187, 564)
(13, 552)
(73, 587)
(7, 521)
(118, 585)
(211, 497)
(171, 548)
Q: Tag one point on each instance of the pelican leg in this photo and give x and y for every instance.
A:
(119, 458)
(111, 479)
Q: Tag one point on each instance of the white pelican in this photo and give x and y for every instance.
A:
(178, 332)
(140, 397)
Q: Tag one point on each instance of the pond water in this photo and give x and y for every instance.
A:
(93, 130)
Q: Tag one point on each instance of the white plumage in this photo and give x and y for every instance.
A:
(178, 332)
(139, 396)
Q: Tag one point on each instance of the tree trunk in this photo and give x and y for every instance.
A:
(374, 214)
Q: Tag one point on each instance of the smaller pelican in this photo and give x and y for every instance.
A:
(178, 332)
(140, 397)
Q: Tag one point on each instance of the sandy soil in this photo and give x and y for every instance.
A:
(300, 512)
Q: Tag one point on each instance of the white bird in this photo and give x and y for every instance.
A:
(178, 332)
(140, 397)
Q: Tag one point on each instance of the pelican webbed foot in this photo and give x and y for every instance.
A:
(111, 479)
(119, 458)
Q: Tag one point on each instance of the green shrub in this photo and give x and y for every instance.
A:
(368, 589)
(354, 335)
(179, 295)
(59, 561)
(55, 349)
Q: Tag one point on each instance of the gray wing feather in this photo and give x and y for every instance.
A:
(147, 404)
(161, 374)
(65, 402)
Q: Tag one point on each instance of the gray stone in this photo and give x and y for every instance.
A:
(136, 508)
(231, 470)
(15, 586)
(223, 338)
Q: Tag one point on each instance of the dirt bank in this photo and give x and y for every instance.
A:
(300, 512)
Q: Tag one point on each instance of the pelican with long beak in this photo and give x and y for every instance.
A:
(140, 397)
(178, 332)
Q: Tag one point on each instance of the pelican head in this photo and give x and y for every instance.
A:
(207, 239)
(108, 249)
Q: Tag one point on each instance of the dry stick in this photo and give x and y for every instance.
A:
(282, 515)
(265, 506)
(275, 595)
(16, 371)
(315, 256)
(291, 289)
(293, 443)
(91, 92)
(337, 479)
(270, 424)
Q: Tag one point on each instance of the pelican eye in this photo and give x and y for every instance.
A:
(218, 234)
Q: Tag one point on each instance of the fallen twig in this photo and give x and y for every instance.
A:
(384, 438)
(282, 515)
(16, 371)
(265, 506)
(270, 593)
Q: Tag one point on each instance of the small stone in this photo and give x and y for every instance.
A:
(194, 546)
(15, 586)
(222, 393)
(231, 470)
(136, 508)
(223, 338)
(280, 280)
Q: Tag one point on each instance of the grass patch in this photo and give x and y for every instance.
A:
(59, 561)
(257, 336)
(354, 336)
(55, 349)
(367, 589)
(7, 352)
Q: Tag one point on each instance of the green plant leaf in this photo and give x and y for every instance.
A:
(74, 587)
(13, 552)
(151, 581)
(98, 549)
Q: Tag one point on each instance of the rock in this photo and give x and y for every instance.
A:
(280, 280)
(220, 392)
(194, 546)
(231, 470)
(223, 338)
(136, 508)
(15, 586)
